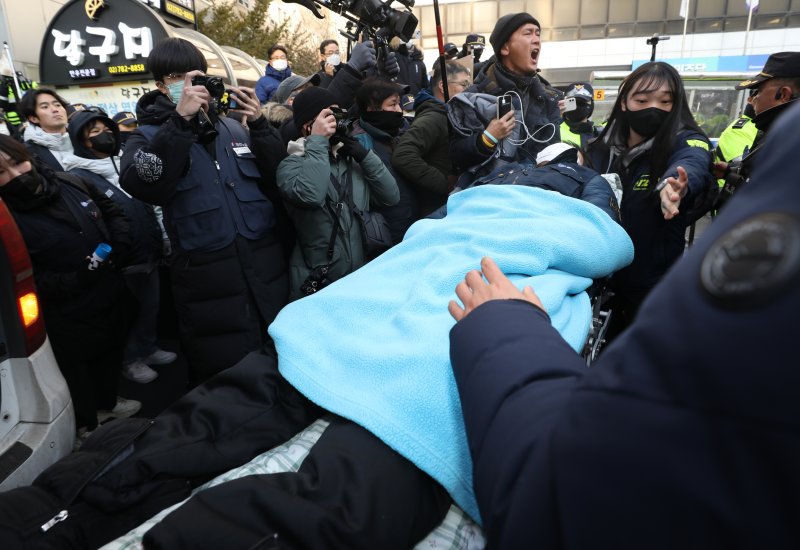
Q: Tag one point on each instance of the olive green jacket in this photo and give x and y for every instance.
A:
(304, 181)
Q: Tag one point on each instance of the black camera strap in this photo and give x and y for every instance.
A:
(348, 192)
(336, 210)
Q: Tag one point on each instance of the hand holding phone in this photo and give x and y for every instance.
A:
(503, 105)
(570, 104)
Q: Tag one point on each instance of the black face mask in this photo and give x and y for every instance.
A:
(104, 142)
(22, 187)
(123, 138)
(387, 121)
(749, 111)
(764, 119)
(581, 112)
(646, 122)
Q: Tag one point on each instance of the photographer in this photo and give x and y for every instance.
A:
(216, 184)
(324, 176)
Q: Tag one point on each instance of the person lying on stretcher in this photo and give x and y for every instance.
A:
(370, 352)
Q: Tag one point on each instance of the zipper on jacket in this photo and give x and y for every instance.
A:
(64, 514)
(58, 518)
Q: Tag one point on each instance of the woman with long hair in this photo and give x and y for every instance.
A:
(62, 219)
(663, 160)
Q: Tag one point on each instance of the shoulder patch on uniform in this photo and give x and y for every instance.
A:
(753, 262)
(697, 143)
(739, 124)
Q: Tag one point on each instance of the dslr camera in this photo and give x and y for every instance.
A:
(214, 85)
(201, 124)
(216, 89)
(343, 123)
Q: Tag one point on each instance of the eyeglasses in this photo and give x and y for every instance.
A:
(462, 83)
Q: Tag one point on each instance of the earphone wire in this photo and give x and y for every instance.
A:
(528, 135)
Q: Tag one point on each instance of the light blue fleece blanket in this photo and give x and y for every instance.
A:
(374, 346)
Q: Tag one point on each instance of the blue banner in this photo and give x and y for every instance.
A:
(725, 63)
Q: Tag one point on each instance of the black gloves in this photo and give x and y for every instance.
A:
(363, 57)
(351, 147)
(391, 68)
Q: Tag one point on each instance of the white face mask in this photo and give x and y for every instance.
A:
(333, 59)
(279, 64)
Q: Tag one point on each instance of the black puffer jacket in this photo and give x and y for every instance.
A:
(62, 223)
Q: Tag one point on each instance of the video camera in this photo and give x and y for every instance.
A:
(373, 16)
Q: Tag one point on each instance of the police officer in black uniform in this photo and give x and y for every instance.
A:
(685, 432)
(776, 88)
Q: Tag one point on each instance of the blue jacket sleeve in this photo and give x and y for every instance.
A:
(693, 152)
(514, 374)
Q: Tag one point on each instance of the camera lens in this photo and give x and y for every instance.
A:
(215, 86)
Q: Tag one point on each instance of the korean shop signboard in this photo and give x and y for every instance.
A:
(100, 41)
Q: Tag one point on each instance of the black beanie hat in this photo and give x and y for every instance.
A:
(309, 103)
(506, 26)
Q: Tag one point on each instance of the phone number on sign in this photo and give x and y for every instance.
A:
(124, 69)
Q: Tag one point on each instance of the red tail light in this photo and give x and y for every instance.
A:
(30, 316)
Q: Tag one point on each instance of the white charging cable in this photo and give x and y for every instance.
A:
(528, 135)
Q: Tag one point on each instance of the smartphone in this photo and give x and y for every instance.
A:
(503, 105)
(570, 104)
(230, 102)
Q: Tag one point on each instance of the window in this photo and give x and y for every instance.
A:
(594, 12)
(772, 6)
(711, 8)
(427, 21)
(566, 13)
(594, 31)
(674, 9)
(707, 25)
(649, 29)
(735, 24)
(484, 16)
(622, 11)
(651, 10)
(676, 27)
(768, 22)
(620, 30)
(565, 34)
(458, 18)
(542, 10)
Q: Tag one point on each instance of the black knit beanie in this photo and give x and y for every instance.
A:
(309, 103)
(506, 26)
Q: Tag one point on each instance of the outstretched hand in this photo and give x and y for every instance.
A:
(672, 193)
(474, 291)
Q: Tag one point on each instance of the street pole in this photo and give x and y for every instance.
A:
(442, 61)
(747, 32)
(685, 22)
